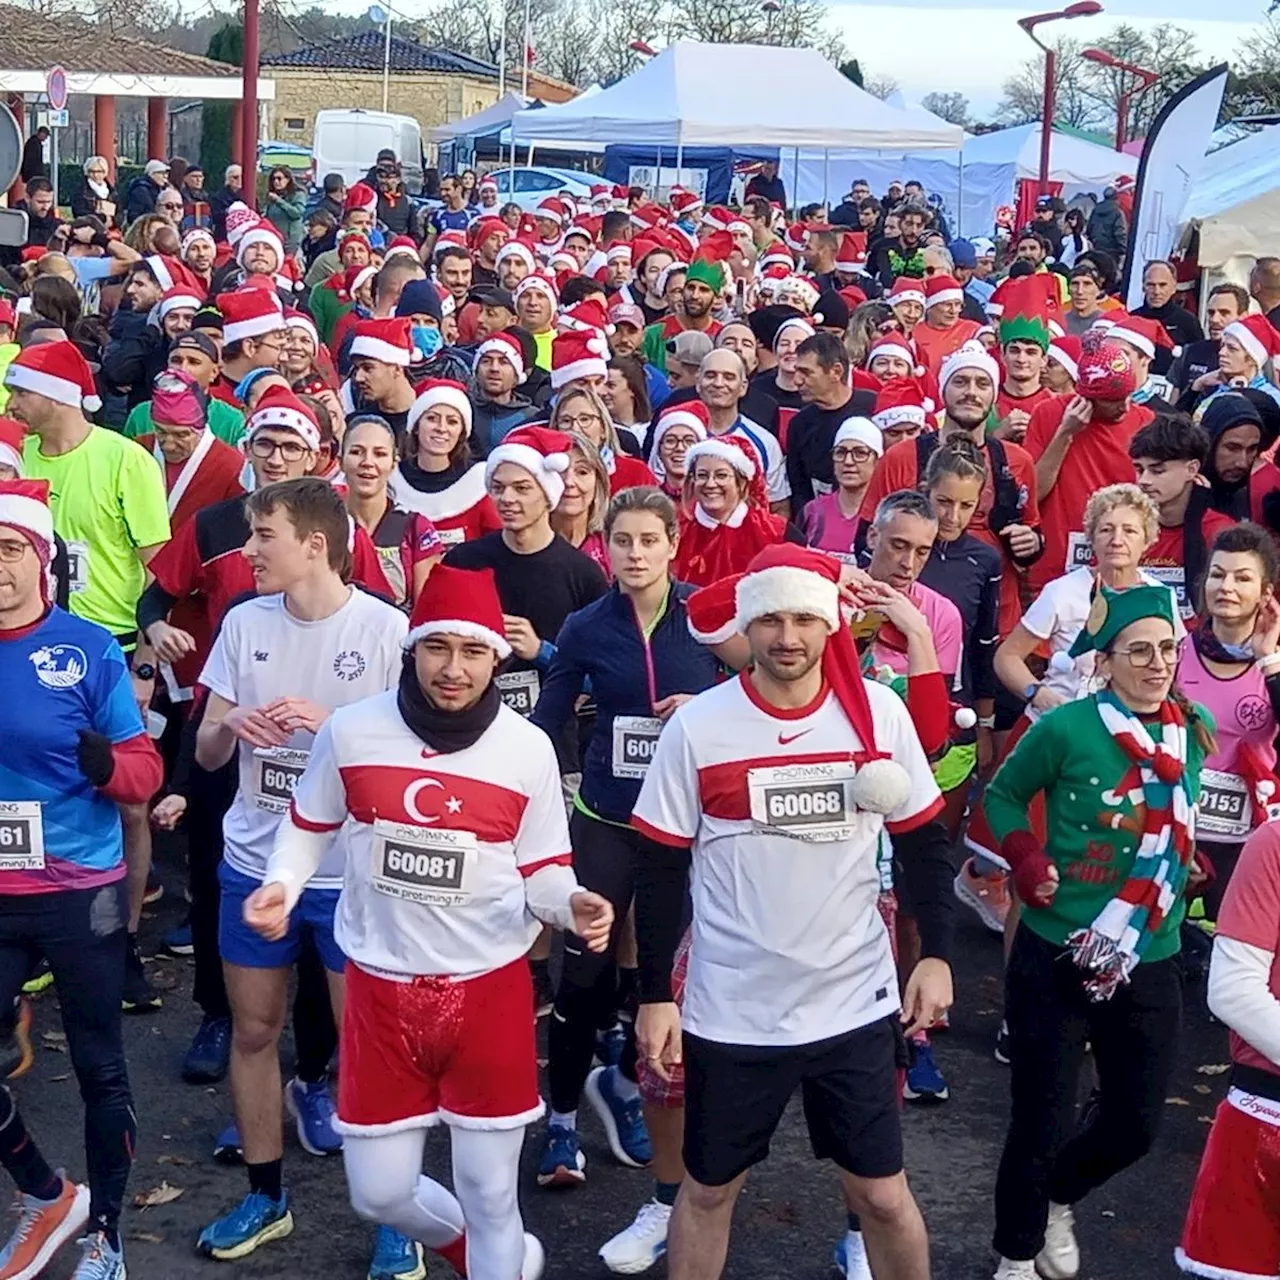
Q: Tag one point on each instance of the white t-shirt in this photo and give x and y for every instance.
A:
(776, 483)
(437, 846)
(1058, 615)
(263, 652)
(788, 947)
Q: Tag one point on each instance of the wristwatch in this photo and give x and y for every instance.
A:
(1031, 690)
(145, 671)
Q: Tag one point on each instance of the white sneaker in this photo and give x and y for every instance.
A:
(1010, 1270)
(535, 1258)
(1060, 1257)
(638, 1247)
(851, 1257)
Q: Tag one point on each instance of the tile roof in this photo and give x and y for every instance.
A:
(365, 51)
(32, 42)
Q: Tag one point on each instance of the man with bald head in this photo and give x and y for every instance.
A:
(1264, 286)
(1160, 303)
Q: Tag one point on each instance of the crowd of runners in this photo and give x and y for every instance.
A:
(656, 620)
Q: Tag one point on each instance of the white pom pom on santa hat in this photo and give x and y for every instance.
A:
(881, 786)
(965, 717)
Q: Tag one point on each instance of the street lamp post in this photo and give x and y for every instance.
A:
(1081, 9)
(1145, 78)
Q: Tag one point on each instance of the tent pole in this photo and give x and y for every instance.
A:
(826, 161)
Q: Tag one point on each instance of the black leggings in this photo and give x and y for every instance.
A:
(605, 860)
(83, 934)
(1134, 1035)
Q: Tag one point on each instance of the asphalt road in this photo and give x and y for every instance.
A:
(787, 1220)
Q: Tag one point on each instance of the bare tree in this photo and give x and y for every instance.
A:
(1024, 92)
(880, 86)
(952, 107)
(1254, 86)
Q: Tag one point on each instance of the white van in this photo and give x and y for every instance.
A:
(348, 142)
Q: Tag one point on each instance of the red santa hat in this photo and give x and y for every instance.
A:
(589, 314)
(480, 230)
(452, 238)
(360, 196)
(790, 579)
(907, 289)
(1066, 351)
(647, 217)
(578, 353)
(971, 355)
(794, 324)
(389, 341)
(12, 433)
(404, 246)
(439, 391)
(796, 237)
(239, 219)
(178, 299)
(731, 449)
(562, 264)
(941, 288)
(618, 251)
(505, 345)
(552, 208)
(517, 249)
(894, 344)
(459, 602)
(57, 371)
(543, 281)
(263, 233)
(541, 451)
(197, 234)
(1144, 333)
(777, 254)
(280, 408)
(488, 183)
(1255, 334)
(299, 320)
(578, 229)
(172, 274)
(709, 612)
(851, 257)
(684, 203)
(901, 400)
(249, 313)
(24, 506)
(620, 194)
(691, 414)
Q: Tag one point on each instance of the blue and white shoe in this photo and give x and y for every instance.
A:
(98, 1260)
(227, 1148)
(209, 1057)
(563, 1162)
(850, 1257)
(610, 1044)
(178, 941)
(255, 1221)
(623, 1120)
(925, 1082)
(311, 1105)
(636, 1248)
(396, 1257)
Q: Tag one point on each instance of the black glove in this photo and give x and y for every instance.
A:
(95, 758)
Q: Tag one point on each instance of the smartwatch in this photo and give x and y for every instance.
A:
(1031, 690)
(145, 671)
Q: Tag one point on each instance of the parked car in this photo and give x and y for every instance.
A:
(287, 155)
(535, 182)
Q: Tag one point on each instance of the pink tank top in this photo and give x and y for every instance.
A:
(1240, 708)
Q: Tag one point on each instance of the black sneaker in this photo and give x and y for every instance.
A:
(207, 1060)
(154, 890)
(139, 997)
(1002, 1044)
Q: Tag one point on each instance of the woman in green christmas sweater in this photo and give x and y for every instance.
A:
(1094, 960)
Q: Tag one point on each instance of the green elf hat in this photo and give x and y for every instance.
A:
(709, 273)
(1112, 611)
(1025, 328)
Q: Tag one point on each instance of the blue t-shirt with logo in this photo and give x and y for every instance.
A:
(57, 830)
(443, 219)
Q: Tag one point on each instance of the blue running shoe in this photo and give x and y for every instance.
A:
(178, 941)
(99, 1261)
(610, 1044)
(563, 1163)
(255, 1221)
(207, 1060)
(623, 1119)
(311, 1105)
(227, 1148)
(851, 1257)
(925, 1083)
(396, 1257)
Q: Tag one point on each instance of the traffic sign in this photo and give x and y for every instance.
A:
(56, 88)
(10, 149)
(59, 119)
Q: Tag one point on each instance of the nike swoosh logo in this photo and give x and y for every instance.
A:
(786, 740)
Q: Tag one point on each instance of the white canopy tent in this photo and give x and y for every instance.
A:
(717, 95)
(1236, 204)
(1078, 164)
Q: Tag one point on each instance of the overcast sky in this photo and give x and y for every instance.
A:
(948, 45)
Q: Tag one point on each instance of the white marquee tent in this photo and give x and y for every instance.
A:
(1236, 203)
(736, 95)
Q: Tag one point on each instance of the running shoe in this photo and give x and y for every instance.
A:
(178, 942)
(39, 981)
(99, 1261)
(139, 996)
(988, 897)
(227, 1148)
(1060, 1257)
(311, 1106)
(1002, 1043)
(563, 1162)
(154, 890)
(623, 1120)
(610, 1044)
(44, 1226)
(925, 1082)
(535, 1258)
(640, 1245)
(16, 1054)
(255, 1221)
(207, 1060)
(396, 1257)
(1011, 1270)
(850, 1257)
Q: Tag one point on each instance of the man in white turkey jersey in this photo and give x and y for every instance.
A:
(457, 846)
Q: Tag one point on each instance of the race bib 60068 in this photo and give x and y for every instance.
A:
(809, 801)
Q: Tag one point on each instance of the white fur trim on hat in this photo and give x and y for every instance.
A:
(899, 349)
(253, 327)
(739, 459)
(45, 384)
(432, 396)
(305, 324)
(537, 282)
(1057, 353)
(547, 469)
(510, 351)
(862, 431)
(783, 589)
(458, 627)
(588, 367)
(1134, 339)
(372, 348)
(945, 295)
(286, 419)
(196, 233)
(1244, 336)
(900, 413)
(719, 636)
(10, 457)
(514, 249)
(259, 235)
(972, 355)
(678, 418)
(29, 515)
(177, 302)
(793, 322)
(915, 294)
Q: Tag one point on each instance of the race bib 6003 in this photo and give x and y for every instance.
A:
(276, 771)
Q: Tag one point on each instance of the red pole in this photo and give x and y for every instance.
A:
(1046, 123)
(249, 120)
(104, 131)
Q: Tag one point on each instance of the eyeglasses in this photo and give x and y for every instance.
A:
(289, 450)
(678, 444)
(12, 552)
(852, 453)
(1142, 653)
(168, 204)
(581, 422)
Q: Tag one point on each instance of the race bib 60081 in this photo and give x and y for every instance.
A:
(422, 864)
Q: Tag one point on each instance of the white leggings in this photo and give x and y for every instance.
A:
(387, 1186)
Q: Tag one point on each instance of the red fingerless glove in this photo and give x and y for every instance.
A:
(929, 705)
(1029, 863)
